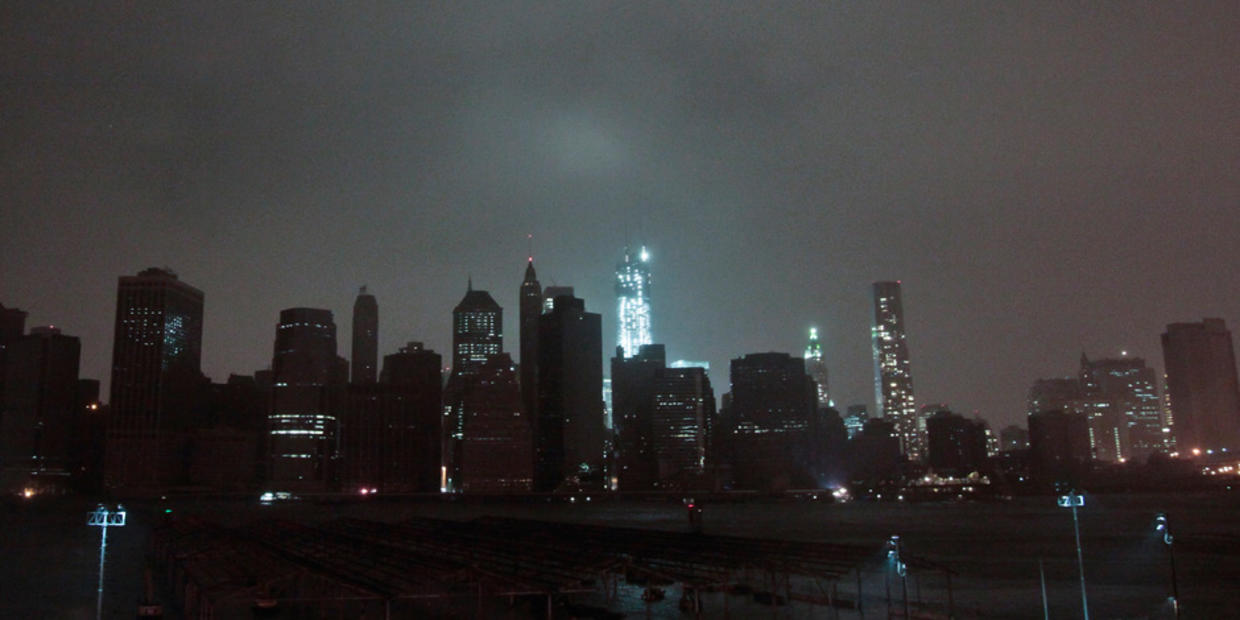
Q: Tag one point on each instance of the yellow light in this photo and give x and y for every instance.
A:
(28, 492)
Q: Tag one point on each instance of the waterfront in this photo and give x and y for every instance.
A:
(994, 548)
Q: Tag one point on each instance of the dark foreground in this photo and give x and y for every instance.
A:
(994, 548)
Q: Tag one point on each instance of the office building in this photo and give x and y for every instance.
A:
(570, 441)
(493, 452)
(390, 431)
(477, 331)
(855, 418)
(1201, 380)
(768, 422)
(682, 420)
(633, 301)
(551, 292)
(1121, 400)
(817, 368)
(365, 338)
(530, 296)
(307, 398)
(157, 345)
(893, 380)
(633, 401)
(1059, 449)
(39, 417)
(956, 446)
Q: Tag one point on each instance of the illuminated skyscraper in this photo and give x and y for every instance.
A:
(893, 383)
(1121, 401)
(633, 301)
(365, 338)
(817, 368)
(477, 331)
(158, 338)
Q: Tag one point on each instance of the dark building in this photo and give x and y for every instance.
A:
(893, 381)
(956, 446)
(1201, 380)
(390, 436)
(365, 338)
(1058, 445)
(632, 414)
(769, 422)
(530, 310)
(306, 398)
(1054, 394)
(494, 450)
(875, 452)
(12, 327)
(157, 348)
(39, 416)
(681, 425)
(225, 448)
(477, 336)
(1013, 438)
(551, 292)
(398, 441)
(570, 439)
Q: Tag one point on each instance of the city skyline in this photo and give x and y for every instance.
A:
(1044, 181)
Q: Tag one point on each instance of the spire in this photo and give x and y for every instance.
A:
(362, 291)
(469, 284)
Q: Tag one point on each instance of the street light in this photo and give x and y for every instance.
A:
(894, 553)
(103, 519)
(1162, 525)
(1075, 500)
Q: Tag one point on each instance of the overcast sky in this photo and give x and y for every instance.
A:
(1045, 178)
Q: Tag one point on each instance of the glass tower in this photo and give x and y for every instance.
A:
(893, 383)
(633, 301)
(817, 368)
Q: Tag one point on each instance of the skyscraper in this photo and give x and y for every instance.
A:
(769, 421)
(1201, 378)
(530, 309)
(683, 417)
(570, 439)
(1121, 401)
(493, 452)
(893, 381)
(477, 331)
(39, 414)
(158, 338)
(817, 367)
(632, 397)
(365, 337)
(307, 397)
(633, 301)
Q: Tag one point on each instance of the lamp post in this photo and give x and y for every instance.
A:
(893, 553)
(1075, 500)
(1162, 525)
(103, 519)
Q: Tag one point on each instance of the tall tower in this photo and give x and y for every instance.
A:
(1201, 379)
(365, 337)
(158, 336)
(530, 310)
(477, 331)
(308, 390)
(571, 441)
(817, 368)
(633, 297)
(893, 383)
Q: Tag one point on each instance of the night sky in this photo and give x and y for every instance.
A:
(1044, 179)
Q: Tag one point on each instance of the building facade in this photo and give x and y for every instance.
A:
(769, 422)
(633, 400)
(570, 441)
(40, 415)
(893, 379)
(307, 397)
(633, 301)
(816, 366)
(365, 338)
(682, 421)
(157, 343)
(531, 301)
(1201, 381)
